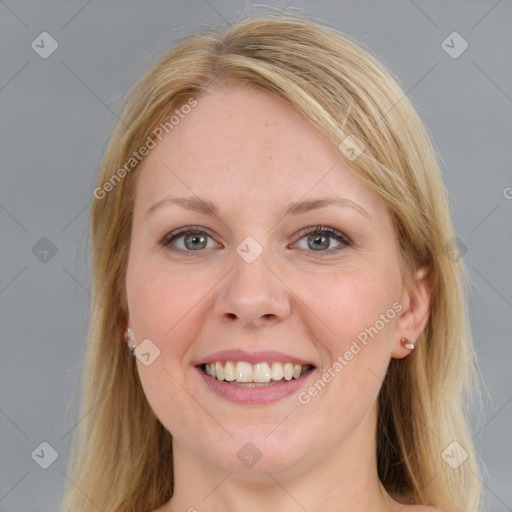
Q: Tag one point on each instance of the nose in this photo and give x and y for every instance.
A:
(252, 296)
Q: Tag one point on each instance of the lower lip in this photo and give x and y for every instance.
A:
(254, 396)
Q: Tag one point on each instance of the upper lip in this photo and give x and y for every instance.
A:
(268, 356)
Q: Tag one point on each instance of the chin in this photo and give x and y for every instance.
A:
(258, 453)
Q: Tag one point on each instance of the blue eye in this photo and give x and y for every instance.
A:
(318, 239)
(187, 240)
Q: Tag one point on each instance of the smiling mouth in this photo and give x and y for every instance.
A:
(244, 374)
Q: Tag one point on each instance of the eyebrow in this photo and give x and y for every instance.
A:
(199, 205)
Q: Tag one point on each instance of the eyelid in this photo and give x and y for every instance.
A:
(323, 229)
(344, 241)
(185, 230)
(341, 237)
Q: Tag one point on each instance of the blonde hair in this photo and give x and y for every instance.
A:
(121, 454)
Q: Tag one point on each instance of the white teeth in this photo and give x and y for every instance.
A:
(261, 372)
(220, 371)
(288, 371)
(229, 371)
(277, 371)
(244, 372)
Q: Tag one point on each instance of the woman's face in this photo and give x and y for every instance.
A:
(298, 264)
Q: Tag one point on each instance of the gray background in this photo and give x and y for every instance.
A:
(57, 114)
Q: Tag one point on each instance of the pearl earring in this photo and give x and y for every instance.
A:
(130, 338)
(407, 344)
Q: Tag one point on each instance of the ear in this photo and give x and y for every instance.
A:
(415, 312)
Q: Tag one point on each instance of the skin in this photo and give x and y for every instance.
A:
(250, 154)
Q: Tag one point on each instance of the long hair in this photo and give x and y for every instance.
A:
(122, 455)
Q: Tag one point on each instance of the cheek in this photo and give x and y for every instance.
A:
(351, 302)
(162, 304)
(354, 334)
(160, 301)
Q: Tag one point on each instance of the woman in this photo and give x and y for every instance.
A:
(277, 323)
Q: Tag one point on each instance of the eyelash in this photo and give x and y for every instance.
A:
(318, 230)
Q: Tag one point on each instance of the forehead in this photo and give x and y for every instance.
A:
(246, 145)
